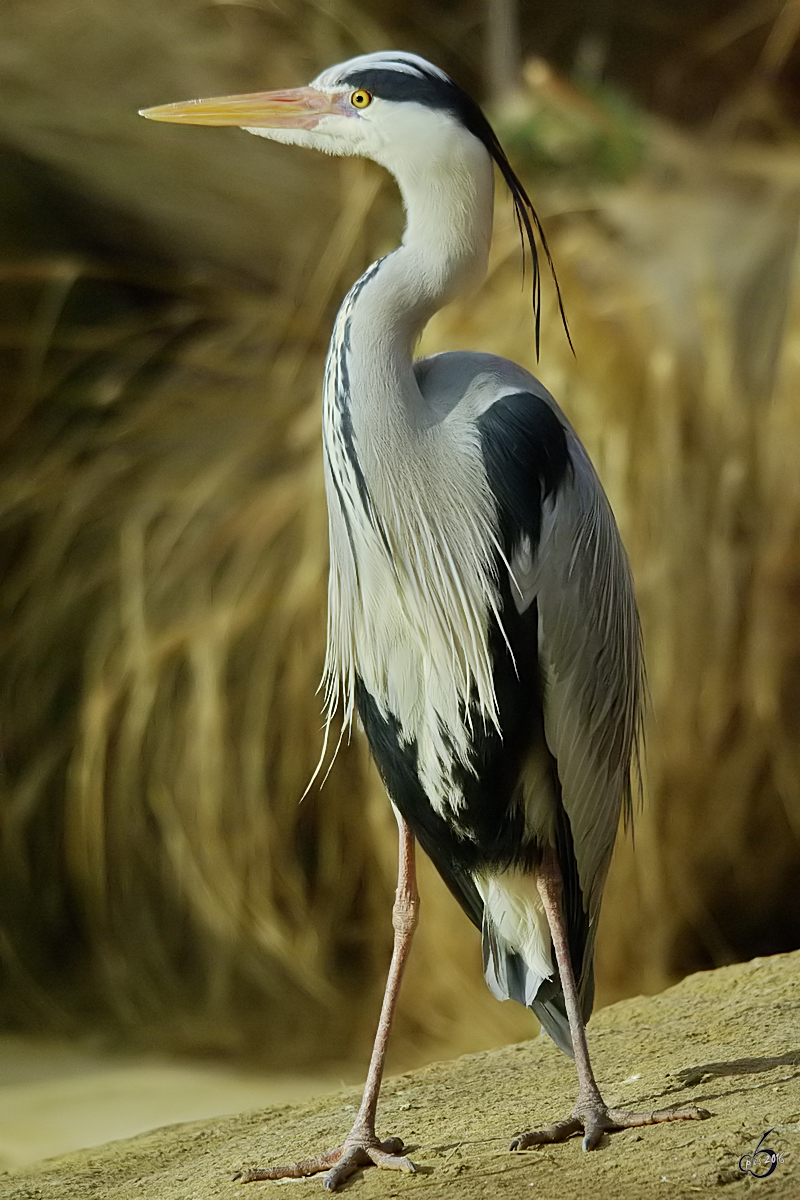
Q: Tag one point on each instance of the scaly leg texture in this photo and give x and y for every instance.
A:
(361, 1147)
(591, 1115)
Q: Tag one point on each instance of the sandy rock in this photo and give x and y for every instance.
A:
(728, 1040)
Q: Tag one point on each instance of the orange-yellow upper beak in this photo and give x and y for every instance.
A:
(298, 108)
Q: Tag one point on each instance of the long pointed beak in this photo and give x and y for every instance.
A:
(298, 108)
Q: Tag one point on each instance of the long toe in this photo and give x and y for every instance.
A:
(553, 1133)
(594, 1126)
(620, 1119)
(352, 1158)
(297, 1170)
(389, 1156)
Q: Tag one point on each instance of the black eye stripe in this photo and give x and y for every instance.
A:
(430, 90)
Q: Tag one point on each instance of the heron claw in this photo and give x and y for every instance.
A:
(359, 1150)
(594, 1118)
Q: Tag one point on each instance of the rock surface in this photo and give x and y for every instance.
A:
(728, 1040)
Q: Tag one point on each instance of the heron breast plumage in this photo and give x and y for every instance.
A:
(413, 586)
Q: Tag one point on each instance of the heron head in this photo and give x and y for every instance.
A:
(393, 107)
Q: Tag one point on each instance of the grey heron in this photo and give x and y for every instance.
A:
(481, 613)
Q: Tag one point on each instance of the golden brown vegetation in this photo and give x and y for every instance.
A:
(166, 297)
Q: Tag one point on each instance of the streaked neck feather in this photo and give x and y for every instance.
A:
(413, 529)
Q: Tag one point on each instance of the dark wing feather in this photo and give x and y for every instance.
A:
(590, 654)
(570, 570)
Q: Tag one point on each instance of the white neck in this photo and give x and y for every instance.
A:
(390, 473)
(444, 253)
(445, 246)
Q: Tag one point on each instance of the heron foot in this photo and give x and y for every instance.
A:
(359, 1150)
(593, 1118)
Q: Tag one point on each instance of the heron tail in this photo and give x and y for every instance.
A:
(552, 1015)
(510, 977)
(550, 1009)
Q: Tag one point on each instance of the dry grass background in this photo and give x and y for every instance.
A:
(165, 297)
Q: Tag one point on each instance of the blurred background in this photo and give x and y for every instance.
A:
(166, 296)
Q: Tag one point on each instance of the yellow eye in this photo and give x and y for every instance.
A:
(361, 99)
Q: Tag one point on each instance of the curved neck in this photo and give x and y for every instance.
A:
(445, 246)
(444, 252)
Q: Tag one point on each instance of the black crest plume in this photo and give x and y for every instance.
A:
(528, 221)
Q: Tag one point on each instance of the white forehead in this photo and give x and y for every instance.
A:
(401, 61)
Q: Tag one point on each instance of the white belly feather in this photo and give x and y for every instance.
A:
(514, 907)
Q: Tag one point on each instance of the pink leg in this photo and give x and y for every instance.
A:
(361, 1146)
(590, 1114)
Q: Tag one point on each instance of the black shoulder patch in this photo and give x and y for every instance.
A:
(526, 456)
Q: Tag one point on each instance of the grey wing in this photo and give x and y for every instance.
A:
(570, 574)
(590, 656)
